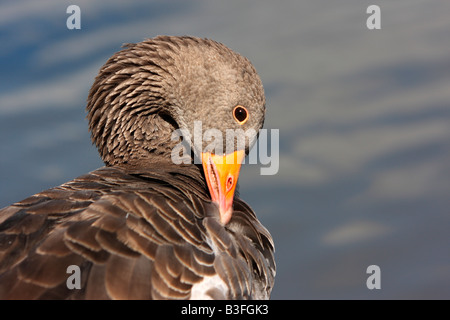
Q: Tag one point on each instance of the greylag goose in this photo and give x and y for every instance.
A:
(162, 219)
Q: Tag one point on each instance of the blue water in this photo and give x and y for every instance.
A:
(364, 120)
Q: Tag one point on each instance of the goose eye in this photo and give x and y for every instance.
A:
(240, 114)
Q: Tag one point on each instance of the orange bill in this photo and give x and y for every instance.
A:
(222, 174)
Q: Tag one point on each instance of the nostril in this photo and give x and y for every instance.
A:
(230, 183)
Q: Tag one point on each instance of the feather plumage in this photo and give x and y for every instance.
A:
(143, 227)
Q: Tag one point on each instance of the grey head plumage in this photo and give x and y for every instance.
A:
(147, 90)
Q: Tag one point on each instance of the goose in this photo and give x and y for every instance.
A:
(162, 219)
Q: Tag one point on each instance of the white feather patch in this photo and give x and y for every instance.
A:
(209, 288)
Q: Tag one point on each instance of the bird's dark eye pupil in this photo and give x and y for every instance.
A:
(240, 114)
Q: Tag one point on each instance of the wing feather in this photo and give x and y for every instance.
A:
(135, 235)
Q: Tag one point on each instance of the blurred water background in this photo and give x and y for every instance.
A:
(364, 120)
